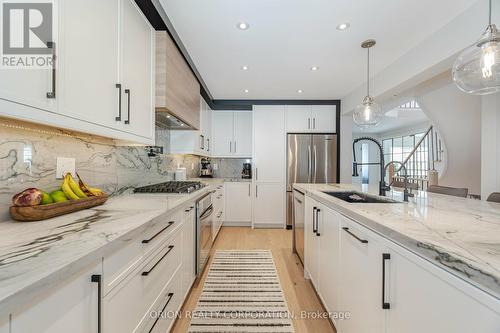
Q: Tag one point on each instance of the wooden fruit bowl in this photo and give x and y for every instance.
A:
(43, 212)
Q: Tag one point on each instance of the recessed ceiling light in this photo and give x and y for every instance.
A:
(299, 91)
(246, 91)
(343, 26)
(314, 68)
(243, 26)
(244, 68)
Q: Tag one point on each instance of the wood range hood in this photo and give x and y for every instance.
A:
(177, 102)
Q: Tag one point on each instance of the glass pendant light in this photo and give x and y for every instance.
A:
(477, 69)
(368, 113)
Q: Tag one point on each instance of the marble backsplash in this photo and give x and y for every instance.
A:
(28, 159)
(228, 167)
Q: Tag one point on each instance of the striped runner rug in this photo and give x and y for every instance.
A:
(242, 293)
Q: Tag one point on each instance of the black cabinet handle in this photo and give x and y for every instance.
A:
(52, 46)
(385, 257)
(146, 273)
(119, 86)
(364, 241)
(170, 295)
(170, 223)
(202, 142)
(127, 92)
(315, 230)
(98, 279)
(317, 222)
(208, 145)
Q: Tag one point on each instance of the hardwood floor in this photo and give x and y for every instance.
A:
(299, 293)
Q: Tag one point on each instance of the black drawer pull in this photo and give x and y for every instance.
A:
(146, 273)
(98, 279)
(119, 86)
(315, 230)
(385, 305)
(317, 222)
(127, 92)
(145, 241)
(52, 46)
(170, 295)
(364, 241)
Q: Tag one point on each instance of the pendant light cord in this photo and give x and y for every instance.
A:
(368, 74)
(489, 19)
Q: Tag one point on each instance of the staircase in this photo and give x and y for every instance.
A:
(423, 163)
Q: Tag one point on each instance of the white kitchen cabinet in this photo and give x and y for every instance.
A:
(298, 118)
(223, 133)
(238, 203)
(219, 209)
(188, 249)
(329, 268)
(137, 71)
(323, 118)
(90, 84)
(311, 243)
(361, 279)
(269, 205)
(242, 134)
(232, 134)
(71, 307)
(311, 118)
(89, 91)
(418, 291)
(197, 142)
(269, 144)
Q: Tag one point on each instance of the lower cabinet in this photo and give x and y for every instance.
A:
(5, 324)
(269, 205)
(71, 307)
(238, 203)
(188, 249)
(383, 287)
(129, 305)
(360, 280)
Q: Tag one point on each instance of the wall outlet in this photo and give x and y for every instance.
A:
(65, 165)
(215, 166)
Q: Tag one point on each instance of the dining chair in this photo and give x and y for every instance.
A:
(457, 192)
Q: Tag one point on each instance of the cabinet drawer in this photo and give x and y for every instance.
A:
(127, 305)
(161, 316)
(120, 264)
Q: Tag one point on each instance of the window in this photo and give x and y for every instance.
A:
(400, 147)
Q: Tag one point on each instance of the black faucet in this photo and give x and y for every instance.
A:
(382, 185)
(406, 194)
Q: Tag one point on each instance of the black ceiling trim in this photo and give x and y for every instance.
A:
(246, 104)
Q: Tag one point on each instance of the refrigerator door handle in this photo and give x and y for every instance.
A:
(309, 164)
(315, 163)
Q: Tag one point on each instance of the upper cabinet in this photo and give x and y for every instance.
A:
(311, 118)
(177, 89)
(108, 92)
(232, 134)
(197, 142)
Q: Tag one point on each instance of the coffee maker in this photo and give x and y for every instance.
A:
(246, 173)
(206, 168)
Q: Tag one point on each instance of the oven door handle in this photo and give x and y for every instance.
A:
(207, 212)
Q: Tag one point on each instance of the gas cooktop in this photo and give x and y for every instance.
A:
(171, 187)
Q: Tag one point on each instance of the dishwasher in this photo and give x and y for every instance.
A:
(204, 221)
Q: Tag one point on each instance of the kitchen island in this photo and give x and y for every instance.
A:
(450, 239)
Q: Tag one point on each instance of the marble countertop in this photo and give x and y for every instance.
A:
(457, 234)
(39, 255)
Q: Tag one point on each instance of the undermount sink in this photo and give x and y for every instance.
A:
(358, 197)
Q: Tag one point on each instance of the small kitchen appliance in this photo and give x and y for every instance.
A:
(206, 170)
(246, 173)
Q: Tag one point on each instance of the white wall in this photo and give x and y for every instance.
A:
(490, 145)
(457, 116)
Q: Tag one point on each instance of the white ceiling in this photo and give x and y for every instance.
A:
(287, 37)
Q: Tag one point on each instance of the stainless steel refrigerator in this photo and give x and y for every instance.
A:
(311, 158)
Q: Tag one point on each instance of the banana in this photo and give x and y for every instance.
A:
(66, 188)
(74, 186)
(89, 191)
